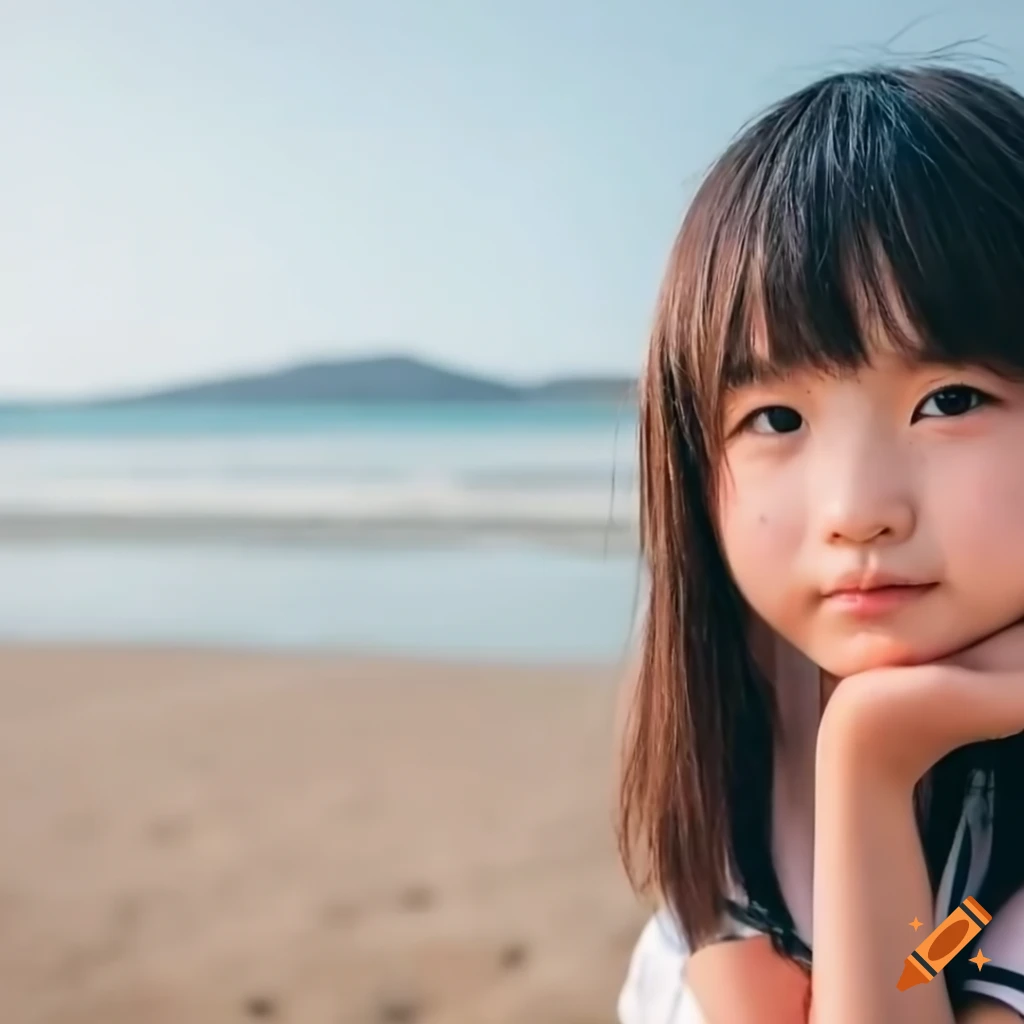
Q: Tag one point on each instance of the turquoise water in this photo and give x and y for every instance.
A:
(458, 466)
(189, 419)
(370, 458)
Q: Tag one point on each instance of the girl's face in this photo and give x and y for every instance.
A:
(876, 517)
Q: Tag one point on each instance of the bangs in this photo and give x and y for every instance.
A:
(883, 204)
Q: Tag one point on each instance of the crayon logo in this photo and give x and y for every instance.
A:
(951, 936)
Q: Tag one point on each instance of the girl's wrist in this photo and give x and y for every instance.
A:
(850, 753)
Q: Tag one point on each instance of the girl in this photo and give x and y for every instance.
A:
(824, 747)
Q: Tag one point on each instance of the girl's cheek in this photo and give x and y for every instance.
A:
(762, 530)
(972, 510)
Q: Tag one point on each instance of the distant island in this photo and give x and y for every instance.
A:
(381, 379)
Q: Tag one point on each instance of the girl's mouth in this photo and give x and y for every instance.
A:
(877, 600)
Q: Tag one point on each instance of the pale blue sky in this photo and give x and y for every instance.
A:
(194, 186)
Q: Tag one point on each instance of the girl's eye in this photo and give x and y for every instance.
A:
(954, 400)
(775, 419)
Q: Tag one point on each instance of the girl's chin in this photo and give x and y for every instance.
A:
(876, 653)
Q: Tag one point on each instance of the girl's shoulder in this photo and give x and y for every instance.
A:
(655, 990)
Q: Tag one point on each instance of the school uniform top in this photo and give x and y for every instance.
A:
(655, 990)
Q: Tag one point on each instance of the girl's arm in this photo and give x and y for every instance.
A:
(870, 882)
(880, 733)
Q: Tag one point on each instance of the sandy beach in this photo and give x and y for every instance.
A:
(204, 837)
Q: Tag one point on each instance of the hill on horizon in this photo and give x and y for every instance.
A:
(378, 379)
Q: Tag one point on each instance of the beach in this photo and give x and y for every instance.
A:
(197, 836)
(306, 713)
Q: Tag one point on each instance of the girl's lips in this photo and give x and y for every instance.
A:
(879, 600)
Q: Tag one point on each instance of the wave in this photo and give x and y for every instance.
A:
(349, 514)
(565, 478)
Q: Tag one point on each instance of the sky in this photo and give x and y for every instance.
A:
(195, 187)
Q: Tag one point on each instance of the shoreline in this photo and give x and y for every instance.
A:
(589, 536)
(210, 835)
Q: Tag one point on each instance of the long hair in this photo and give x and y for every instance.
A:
(896, 191)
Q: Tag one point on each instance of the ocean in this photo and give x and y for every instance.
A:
(486, 531)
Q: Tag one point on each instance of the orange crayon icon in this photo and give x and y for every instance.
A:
(944, 943)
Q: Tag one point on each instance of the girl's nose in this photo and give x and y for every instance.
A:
(867, 507)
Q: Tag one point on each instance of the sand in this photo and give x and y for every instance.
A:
(193, 837)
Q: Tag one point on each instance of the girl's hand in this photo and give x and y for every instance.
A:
(898, 722)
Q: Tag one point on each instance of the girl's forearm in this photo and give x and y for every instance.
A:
(870, 882)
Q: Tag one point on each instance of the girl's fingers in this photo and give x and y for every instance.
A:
(904, 720)
(981, 705)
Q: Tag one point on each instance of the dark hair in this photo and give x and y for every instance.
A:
(893, 192)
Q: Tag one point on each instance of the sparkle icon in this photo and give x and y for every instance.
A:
(980, 959)
(915, 924)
